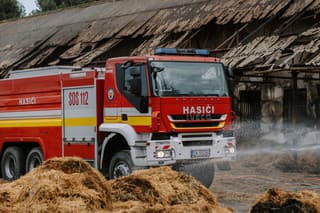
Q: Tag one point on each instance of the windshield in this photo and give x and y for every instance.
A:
(188, 79)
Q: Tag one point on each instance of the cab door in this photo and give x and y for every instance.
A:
(132, 82)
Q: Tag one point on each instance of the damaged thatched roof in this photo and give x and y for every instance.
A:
(82, 35)
(276, 52)
(279, 52)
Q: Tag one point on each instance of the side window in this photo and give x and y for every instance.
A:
(132, 82)
(135, 81)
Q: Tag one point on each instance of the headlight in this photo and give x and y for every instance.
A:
(163, 154)
(230, 147)
(230, 150)
(160, 154)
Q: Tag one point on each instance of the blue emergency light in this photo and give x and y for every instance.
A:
(174, 51)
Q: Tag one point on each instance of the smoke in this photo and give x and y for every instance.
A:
(255, 133)
(288, 149)
(277, 150)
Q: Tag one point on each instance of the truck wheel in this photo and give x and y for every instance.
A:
(202, 171)
(12, 163)
(224, 166)
(120, 165)
(34, 159)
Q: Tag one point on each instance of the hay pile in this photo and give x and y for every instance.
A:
(3, 181)
(276, 200)
(72, 185)
(59, 185)
(162, 190)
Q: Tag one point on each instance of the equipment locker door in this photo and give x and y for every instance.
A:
(80, 122)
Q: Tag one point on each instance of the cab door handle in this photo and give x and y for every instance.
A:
(124, 117)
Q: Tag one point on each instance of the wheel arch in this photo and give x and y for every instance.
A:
(121, 132)
(125, 130)
(112, 144)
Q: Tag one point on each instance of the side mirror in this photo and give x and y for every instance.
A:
(126, 64)
(229, 71)
(157, 69)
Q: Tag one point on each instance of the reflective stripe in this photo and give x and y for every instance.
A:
(134, 121)
(43, 122)
(92, 121)
(30, 114)
(110, 111)
(47, 122)
(107, 118)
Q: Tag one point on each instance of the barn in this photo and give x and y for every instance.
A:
(272, 45)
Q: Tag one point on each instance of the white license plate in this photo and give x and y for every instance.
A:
(204, 153)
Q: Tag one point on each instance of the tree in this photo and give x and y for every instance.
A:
(46, 5)
(11, 9)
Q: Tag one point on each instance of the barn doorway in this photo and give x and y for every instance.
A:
(250, 113)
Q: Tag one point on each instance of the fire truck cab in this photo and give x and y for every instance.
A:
(171, 108)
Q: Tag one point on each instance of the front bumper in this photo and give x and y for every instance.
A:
(185, 147)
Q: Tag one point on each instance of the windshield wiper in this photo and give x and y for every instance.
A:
(216, 95)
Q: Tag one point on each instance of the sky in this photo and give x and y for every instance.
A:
(29, 5)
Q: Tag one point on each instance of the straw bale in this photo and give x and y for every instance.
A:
(138, 206)
(162, 189)
(277, 200)
(59, 185)
(72, 185)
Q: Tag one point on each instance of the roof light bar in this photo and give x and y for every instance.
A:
(174, 51)
(202, 52)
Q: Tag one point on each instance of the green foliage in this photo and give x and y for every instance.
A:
(11, 9)
(46, 5)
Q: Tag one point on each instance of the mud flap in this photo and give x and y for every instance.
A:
(203, 171)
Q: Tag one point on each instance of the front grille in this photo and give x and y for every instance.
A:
(196, 135)
(197, 143)
(194, 117)
(196, 124)
(162, 136)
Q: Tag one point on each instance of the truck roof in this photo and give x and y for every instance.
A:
(46, 71)
(165, 58)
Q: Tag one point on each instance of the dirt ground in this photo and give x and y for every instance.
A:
(252, 175)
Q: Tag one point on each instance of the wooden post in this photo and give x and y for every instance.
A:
(294, 98)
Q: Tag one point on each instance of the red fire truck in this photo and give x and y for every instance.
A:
(171, 108)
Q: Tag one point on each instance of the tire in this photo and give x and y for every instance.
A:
(224, 166)
(34, 159)
(120, 165)
(203, 171)
(13, 163)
